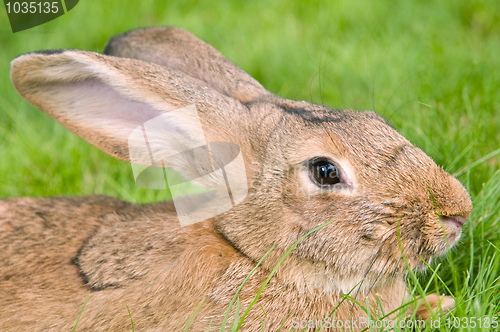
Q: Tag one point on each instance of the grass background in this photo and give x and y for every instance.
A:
(430, 67)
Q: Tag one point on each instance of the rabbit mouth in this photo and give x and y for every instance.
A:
(454, 221)
(453, 228)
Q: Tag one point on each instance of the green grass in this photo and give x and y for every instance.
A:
(431, 67)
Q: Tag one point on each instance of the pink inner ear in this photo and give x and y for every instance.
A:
(97, 109)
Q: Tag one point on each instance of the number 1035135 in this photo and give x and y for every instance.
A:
(32, 7)
(472, 322)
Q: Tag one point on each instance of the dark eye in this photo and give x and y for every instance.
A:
(324, 173)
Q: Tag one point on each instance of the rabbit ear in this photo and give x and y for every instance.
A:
(139, 112)
(173, 47)
(153, 116)
(103, 99)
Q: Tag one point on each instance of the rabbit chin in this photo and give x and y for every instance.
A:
(308, 276)
(453, 234)
(449, 238)
(340, 284)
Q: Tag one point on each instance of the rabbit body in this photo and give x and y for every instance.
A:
(391, 198)
(59, 249)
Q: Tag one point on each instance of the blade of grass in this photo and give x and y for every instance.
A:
(209, 325)
(276, 269)
(236, 316)
(194, 314)
(283, 324)
(131, 320)
(241, 286)
(263, 310)
(477, 162)
(411, 273)
(341, 301)
(81, 312)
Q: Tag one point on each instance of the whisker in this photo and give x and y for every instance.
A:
(367, 272)
(373, 81)
(345, 95)
(320, 60)
(400, 85)
(453, 149)
(397, 109)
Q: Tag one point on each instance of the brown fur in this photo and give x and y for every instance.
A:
(59, 249)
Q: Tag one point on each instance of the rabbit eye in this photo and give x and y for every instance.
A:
(324, 173)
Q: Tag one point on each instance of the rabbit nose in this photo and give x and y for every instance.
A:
(453, 202)
(454, 221)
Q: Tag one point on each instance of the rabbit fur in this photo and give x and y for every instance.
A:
(54, 251)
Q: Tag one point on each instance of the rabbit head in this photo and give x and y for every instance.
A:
(389, 204)
(387, 198)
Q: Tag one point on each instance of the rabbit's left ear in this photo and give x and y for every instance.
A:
(176, 48)
(136, 111)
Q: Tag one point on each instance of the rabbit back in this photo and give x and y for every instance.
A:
(56, 251)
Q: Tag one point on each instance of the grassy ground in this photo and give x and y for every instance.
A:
(431, 68)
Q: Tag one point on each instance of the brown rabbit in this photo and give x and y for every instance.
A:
(304, 165)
